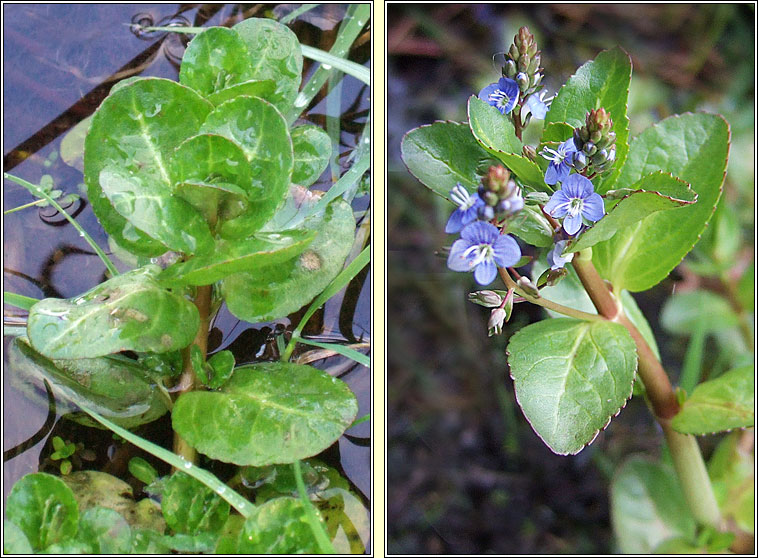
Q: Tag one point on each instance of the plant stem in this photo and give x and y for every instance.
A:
(187, 382)
(685, 453)
(545, 303)
(311, 515)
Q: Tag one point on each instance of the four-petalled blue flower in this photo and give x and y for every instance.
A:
(560, 161)
(482, 249)
(502, 95)
(575, 200)
(468, 207)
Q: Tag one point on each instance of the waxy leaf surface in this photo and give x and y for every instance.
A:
(44, 508)
(571, 377)
(693, 148)
(267, 413)
(312, 148)
(492, 129)
(531, 226)
(648, 506)
(104, 531)
(654, 192)
(134, 130)
(234, 256)
(190, 507)
(602, 82)
(443, 154)
(276, 55)
(129, 312)
(263, 88)
(276, 291)
(720, 404)
(214, 60)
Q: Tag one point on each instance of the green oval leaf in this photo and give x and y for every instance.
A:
(44, 508)
(652, 193)
(267, 413)
(129, 312)
(647, 506)
(602, 82)
(14, 539)
(683, 313)
(693, 148)
(571, 377)
(134, 130)
(720, 404)
(491, 128)
(275, 291)
(312, 148)
(276, 55)
(531, 226)
(105, 531)
(222, 364)
(263, 88)
(117, 389)
(252, 254)
(191, 507)
(442, 154)
(214, 60)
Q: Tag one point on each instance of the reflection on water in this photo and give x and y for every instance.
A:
(59, 64)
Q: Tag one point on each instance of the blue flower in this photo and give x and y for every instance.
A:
(560, 161)
(468, 207)
(554, 257)
(575, 200)
(501, 95)
(482, 249)
(538, 105)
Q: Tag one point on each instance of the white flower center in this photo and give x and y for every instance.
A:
(575, 206)
(462, 198)
(482, 253)
(500, 99)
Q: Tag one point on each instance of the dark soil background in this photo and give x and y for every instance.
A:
(465, 472)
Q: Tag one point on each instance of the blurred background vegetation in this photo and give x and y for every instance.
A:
(466, 474)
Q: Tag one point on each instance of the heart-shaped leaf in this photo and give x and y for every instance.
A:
(252, 254)
(443, 154)
(312, 148)
(134, 130)
(275, 291)
(129, 312)
(44, 508)
(571, 377)
(215, 59)
(602, 82)
(115, 388)
(693, 148)
(267, 413)
(652, 193)
(276, 55)
(720, 404)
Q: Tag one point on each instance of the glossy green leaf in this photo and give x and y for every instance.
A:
(731, 469)
(142, 470)
(647, 506)
(556, 132)
(212, 173)
(443, 154)
(602, 82)
(234, 256)
(276, 291)
(654, 192)
(222, 366)
(267, 413)
(147, 541)
(531, 226)
(571, 377)
(44, 508)
(718, 247)
(720, 404)
(105, 531)
(68, 547)
(276, 55)
(277, 527)
(492, 129)
(214, 60)
(263, 88)
(312, 148)
(683, 312)
(118, 390)
(196, 543)
(167, 218)
(190, 507)
(134, 130)
(261, 131)
(14, 539)
(129, 312)
(527, 171)
(692, 147)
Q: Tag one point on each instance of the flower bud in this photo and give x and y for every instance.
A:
(486, 213)
(513, 52)
(537, 197)
(600, 157)
(589, 148)
(529, 152)
(491, 198)
(528, 287)
(578, 141)
(495, 324)
(523, 63)
(533, 65)
(580, 160)
(510, 70)
(523, 81)
(596, 136)
(496, 179)
(488, 299)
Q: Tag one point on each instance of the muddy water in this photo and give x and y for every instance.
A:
(59, 63)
